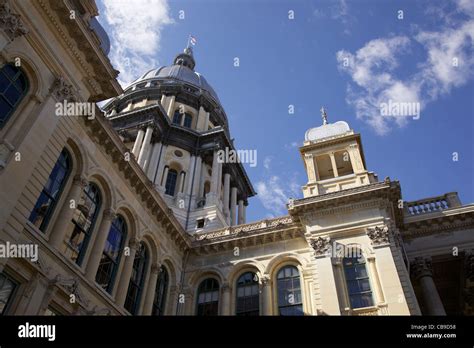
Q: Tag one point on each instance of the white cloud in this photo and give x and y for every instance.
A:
(266, 162)
(274, 195)
(135, 34)
(373, 69)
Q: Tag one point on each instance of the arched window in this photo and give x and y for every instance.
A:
(48, 199)
(208, 297)
(161, 292)
(83, 221)
(111, 255)
(137, 280)
(358, 283)
(7, 291)
(188, 120)
(289, 291)
(177, 117)
(171, 179)
(13, 87)
(247, 302)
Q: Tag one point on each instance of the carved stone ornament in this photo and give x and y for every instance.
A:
(11, 22)
(320, 245)
(61, 90)
(421, 267)
(379, 235)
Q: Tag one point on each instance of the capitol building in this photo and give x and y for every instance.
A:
(133, 212)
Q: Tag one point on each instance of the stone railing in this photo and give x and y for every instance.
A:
(244, 229)
(432, 204)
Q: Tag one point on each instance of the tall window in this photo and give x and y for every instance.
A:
(171, 179)
(137, 280)
(289, 291)
(83, 221)
(188, 120)
(13, 87)
(208, 297)
(358, 284)
(111, 256)
(7, 289)
(247, 302)
(48, 198)
(161, 292)
(177, 117)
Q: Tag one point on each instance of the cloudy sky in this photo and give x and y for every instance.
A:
(350, 56)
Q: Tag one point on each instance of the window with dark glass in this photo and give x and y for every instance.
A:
(171, 179)
(7, 289)
(137, 280)
(188, 120)
(177, 117)
(48, 199)
(208, 297)
(358, 283)
(13, 87)
(83, 221)
(247, 301)
(110, 260)
(161, 292)
(289, 291)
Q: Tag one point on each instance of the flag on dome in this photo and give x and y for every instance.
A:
(192, 40)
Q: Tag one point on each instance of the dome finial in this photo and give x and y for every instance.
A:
(324, 115)
(187, 58)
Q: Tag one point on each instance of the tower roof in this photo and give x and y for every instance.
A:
(327, 130)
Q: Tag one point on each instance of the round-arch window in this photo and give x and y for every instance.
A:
(208, 297)
(289, 291)
(247, 301)
(13, 87)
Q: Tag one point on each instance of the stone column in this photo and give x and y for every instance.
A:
(422, 271)
(182, 178)
(164, 177)
(233, 204)
(266, 291)
(138, 142)
(226, 194)
(309, 160)
(225, 310)
(206, 121)
(244, 214)
(202, 181)
(145, 147)
(241, 211)
(341, 284)
(151, 168)
(190, 173)
(126, 273)
(161, 164)
(150, 292)
(334, 165)
(197, 176)
(170, 110)
(58, 233)
(99, 244)
(214, 180)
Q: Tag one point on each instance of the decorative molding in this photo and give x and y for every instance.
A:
(109, 214)
(379, 235)
(11, 22)
(320, 245)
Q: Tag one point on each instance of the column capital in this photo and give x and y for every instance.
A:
(379, 235)
(109, 214)
(62, 91)
(264, 279)
(156, 268)
(225, 287)
(134, 243)
(11, 22)
(320, 245)
(421, 267)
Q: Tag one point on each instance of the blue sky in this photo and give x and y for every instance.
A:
(425, 57)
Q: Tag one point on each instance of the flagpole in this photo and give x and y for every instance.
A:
(189, 40)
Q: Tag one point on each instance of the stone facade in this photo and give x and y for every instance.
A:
(407, 252)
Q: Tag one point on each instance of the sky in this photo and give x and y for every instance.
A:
(266, 58)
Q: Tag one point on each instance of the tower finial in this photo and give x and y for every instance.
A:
(324, 115)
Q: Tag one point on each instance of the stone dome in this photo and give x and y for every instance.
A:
(327, 131)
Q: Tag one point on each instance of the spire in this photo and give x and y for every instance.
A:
(324, 116)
